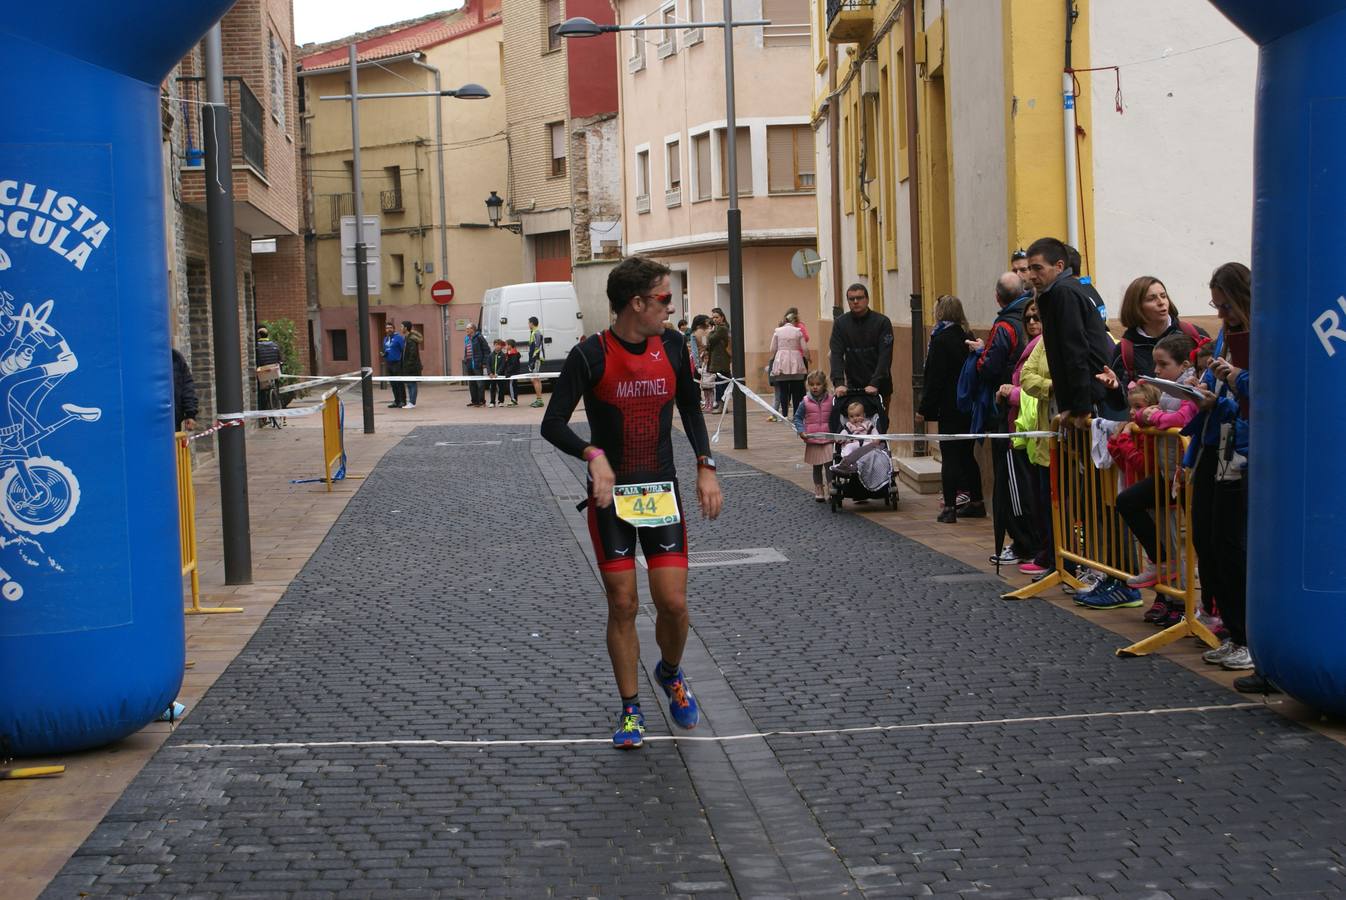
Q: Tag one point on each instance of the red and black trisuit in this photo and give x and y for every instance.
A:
(629, 391)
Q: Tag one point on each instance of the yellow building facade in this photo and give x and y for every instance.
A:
(941, 134)
(401, 154)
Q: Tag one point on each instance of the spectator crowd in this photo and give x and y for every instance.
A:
(1048, 362)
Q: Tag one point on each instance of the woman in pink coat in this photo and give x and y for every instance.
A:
(789, 364)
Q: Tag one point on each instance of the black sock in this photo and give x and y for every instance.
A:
(633, 700)
(665, 669)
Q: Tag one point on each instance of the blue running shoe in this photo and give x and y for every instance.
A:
(1103, 586)
(1117, 596)
(630, 733)
(681, 704)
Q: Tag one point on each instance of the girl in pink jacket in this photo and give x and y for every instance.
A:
(811, 417)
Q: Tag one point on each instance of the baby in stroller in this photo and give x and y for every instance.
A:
(862, 469)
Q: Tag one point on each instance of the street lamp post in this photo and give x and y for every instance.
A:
(582, 27)
(466, 92)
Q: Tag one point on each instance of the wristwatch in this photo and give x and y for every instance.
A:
(706, 462)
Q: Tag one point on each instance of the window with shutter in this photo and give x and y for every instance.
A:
(701, 151)
(805, 158)
(552, 11)
(790, 166)
(557, 131)
(743, 155)
(673, 149)
(789, 23)
(780, 159)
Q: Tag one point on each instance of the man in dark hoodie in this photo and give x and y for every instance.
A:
(862, 352)
(1077, 341)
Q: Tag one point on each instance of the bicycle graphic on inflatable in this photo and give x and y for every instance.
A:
(38, 493)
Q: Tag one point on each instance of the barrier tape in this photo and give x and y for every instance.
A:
(726, 738)
(828, 435)
(197, 435)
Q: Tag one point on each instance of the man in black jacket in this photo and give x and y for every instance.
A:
(185, 408)
(1078, 345)
(862, 352)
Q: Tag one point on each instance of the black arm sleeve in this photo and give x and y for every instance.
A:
(883, 366)
(565, 396)
(688, 398)
(1116, 398)
(932, 383)
(836, 346)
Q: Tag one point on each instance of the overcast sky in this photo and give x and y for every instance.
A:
(316, 21)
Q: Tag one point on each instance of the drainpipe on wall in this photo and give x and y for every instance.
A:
(914, 195)
(834, 164)
(1072, 163)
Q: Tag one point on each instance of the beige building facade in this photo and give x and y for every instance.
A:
(564, 186)
(674, 161)
(429, 230)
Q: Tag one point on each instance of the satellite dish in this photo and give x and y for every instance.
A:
(806, 263)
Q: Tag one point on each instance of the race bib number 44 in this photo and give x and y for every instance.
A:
(647, 505)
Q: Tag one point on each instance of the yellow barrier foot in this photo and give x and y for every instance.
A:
(1167, 636)
(32, 772)
(1028, 592)
(202, 611)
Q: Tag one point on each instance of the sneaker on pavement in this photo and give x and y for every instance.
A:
(410, 406)
(514, 403)
(1217, 656)
(1238, 660)
(491, 404)
(681, 702)
(1032, 568)
(536, 403)
(1147, 577)
(1088, 577)
(1007, 557)
(1115, 596)
(947, 515)
(630, 732)
(1256, 683)
(1100, 586)
(961, 499)
(973, 510)
(1157, 613)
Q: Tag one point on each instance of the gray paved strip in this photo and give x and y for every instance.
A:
(768, 839)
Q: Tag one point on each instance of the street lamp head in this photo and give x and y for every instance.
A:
(580, 26)
(493, 204)
(469, 91)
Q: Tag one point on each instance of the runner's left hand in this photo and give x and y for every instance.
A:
(602, 478)
(708, 494)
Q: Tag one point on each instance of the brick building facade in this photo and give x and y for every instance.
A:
(257, 37)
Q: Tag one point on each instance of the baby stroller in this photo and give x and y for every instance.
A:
(865, 472)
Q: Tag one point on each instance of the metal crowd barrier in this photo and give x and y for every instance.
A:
(187, 529)
(333, 442)
(1088, 530)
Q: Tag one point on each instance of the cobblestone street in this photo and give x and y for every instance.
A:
(877, 722)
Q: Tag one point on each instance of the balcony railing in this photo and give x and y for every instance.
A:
(390, 201)
(643, 203)
(849, 21)
(673, 197)
(249, 143)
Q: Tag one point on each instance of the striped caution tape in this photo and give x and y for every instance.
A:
(833, 436)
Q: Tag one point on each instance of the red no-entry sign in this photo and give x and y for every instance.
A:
(442, 292)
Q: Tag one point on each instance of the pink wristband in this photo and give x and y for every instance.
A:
(593, 453)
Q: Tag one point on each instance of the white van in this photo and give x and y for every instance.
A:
(505, 312)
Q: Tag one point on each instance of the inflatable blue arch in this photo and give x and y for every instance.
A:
(1297, 481)
(91, 634)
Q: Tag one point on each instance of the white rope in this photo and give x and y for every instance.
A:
(745, 736)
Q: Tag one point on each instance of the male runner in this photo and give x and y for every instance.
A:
(630, 376)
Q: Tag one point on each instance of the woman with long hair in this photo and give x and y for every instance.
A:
(939, 403)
